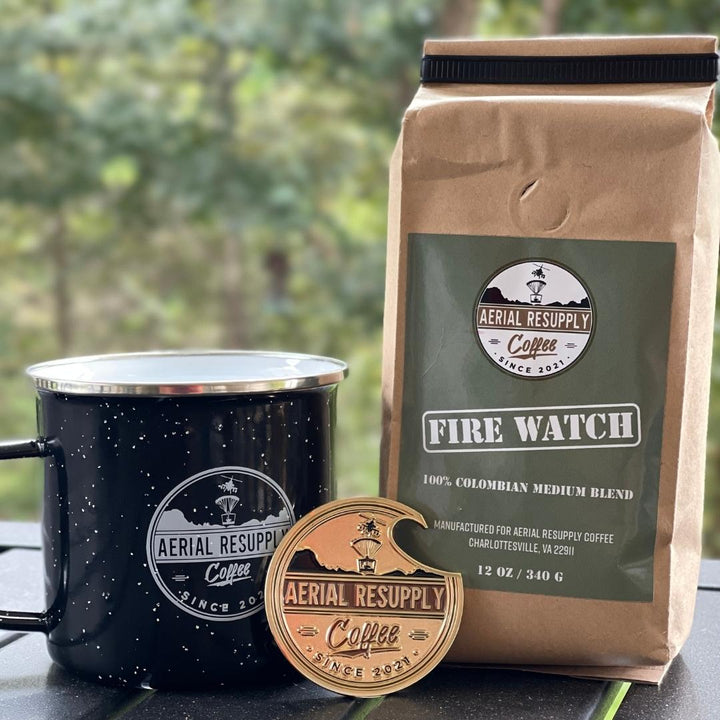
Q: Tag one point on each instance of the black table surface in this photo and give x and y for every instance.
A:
(32, 687)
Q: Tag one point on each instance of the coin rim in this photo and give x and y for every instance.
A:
(273, 604)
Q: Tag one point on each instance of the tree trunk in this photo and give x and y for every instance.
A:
(234, 321)
(277, 265)
(550, 17)
(458, 18)
(57, 251)
(57, 245)
(233, 297)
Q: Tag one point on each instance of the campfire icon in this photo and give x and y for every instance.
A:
(367, 545)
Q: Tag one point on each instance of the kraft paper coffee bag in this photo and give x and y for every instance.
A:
(552, 259)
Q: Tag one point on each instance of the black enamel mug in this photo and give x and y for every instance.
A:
(169, 480)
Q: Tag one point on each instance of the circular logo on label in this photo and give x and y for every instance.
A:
(211, 539)
(534, 318)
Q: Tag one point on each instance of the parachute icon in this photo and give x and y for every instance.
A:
(536, 285)
(227, 502)
(368, 544)
(366, 548)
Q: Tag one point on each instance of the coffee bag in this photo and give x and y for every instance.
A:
(552, 259)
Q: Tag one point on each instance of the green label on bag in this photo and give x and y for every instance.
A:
(533, 400)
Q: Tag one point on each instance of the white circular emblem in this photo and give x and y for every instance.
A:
(534, 318)
(211, 538)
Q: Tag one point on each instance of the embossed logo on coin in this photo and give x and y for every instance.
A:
(353, 612)
(210, 541)
(534, 318)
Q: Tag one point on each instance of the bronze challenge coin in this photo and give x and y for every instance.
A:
(353, 612)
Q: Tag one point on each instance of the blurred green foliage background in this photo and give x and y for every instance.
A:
(181, 173)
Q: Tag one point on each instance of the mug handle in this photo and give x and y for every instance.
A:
(20, 620)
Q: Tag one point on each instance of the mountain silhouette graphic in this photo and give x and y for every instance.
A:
(494, 296)
(305, 561)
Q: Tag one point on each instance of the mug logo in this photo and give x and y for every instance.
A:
(211, 539)
(534, 318)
